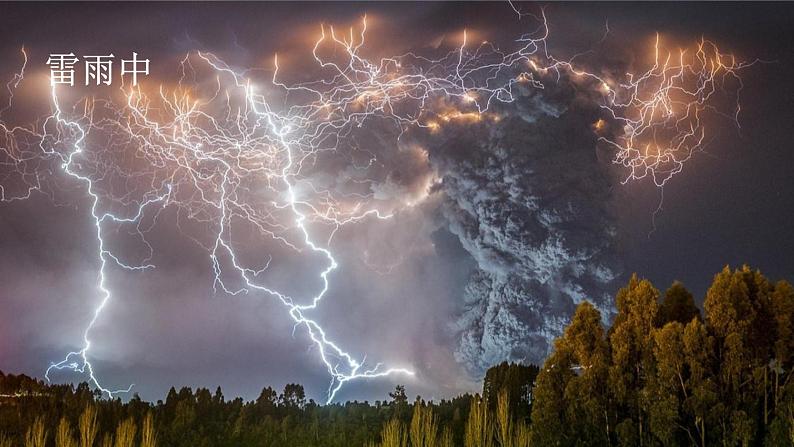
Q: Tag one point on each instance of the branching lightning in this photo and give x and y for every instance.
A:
(236, 157)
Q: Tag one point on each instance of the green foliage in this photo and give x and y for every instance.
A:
(87, 426)
(63, 436)
(677, 305)
(517, 380)
(570, 393)
(393, 434)
(662, 374)
(36, 435)
(510, 433)
(675, 378)
(480, 427)
(125, 433)
(423, 430)
(199, 418)
(398, 396)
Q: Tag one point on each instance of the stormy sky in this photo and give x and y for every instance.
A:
(510, 224)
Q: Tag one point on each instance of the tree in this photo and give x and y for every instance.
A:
(217, 398)
(782, 303)
(504, 420)
(423, 430)
(570, 394)
(36, 435)
(393, 434)
(87, 426)
(266, 402)
(668, 390)
(479, 427)
(781, 429)
(724, 379)
(63, 435)
(398, 396)
(517, 379)
(700, 359)
(125, 433)
(738, 313)
(511, 433)
(293, 396)
(631, 340)
(399, 403)
(148, 435)
(677, 305)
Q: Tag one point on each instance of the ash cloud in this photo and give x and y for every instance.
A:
(528, 199)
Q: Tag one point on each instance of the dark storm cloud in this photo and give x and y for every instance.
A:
(165, 326)
(528, 199)
(509, 224)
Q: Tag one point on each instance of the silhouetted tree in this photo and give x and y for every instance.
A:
(517, 379)
(293, 396)
(677, 305)
(661, 375)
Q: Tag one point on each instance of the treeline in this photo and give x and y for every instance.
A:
(35, 414)
(662, 374)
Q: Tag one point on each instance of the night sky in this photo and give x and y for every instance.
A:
(406, 291)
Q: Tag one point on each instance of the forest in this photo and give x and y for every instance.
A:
(662, 373)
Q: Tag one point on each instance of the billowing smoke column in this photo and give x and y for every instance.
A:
(527, 196)
(259, 171)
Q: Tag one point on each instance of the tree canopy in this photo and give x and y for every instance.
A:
(664, 375)
(661, 374)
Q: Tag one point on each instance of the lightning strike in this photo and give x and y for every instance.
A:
(238, 157)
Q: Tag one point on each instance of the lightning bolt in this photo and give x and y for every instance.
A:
(83, 365)
(237, 157)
